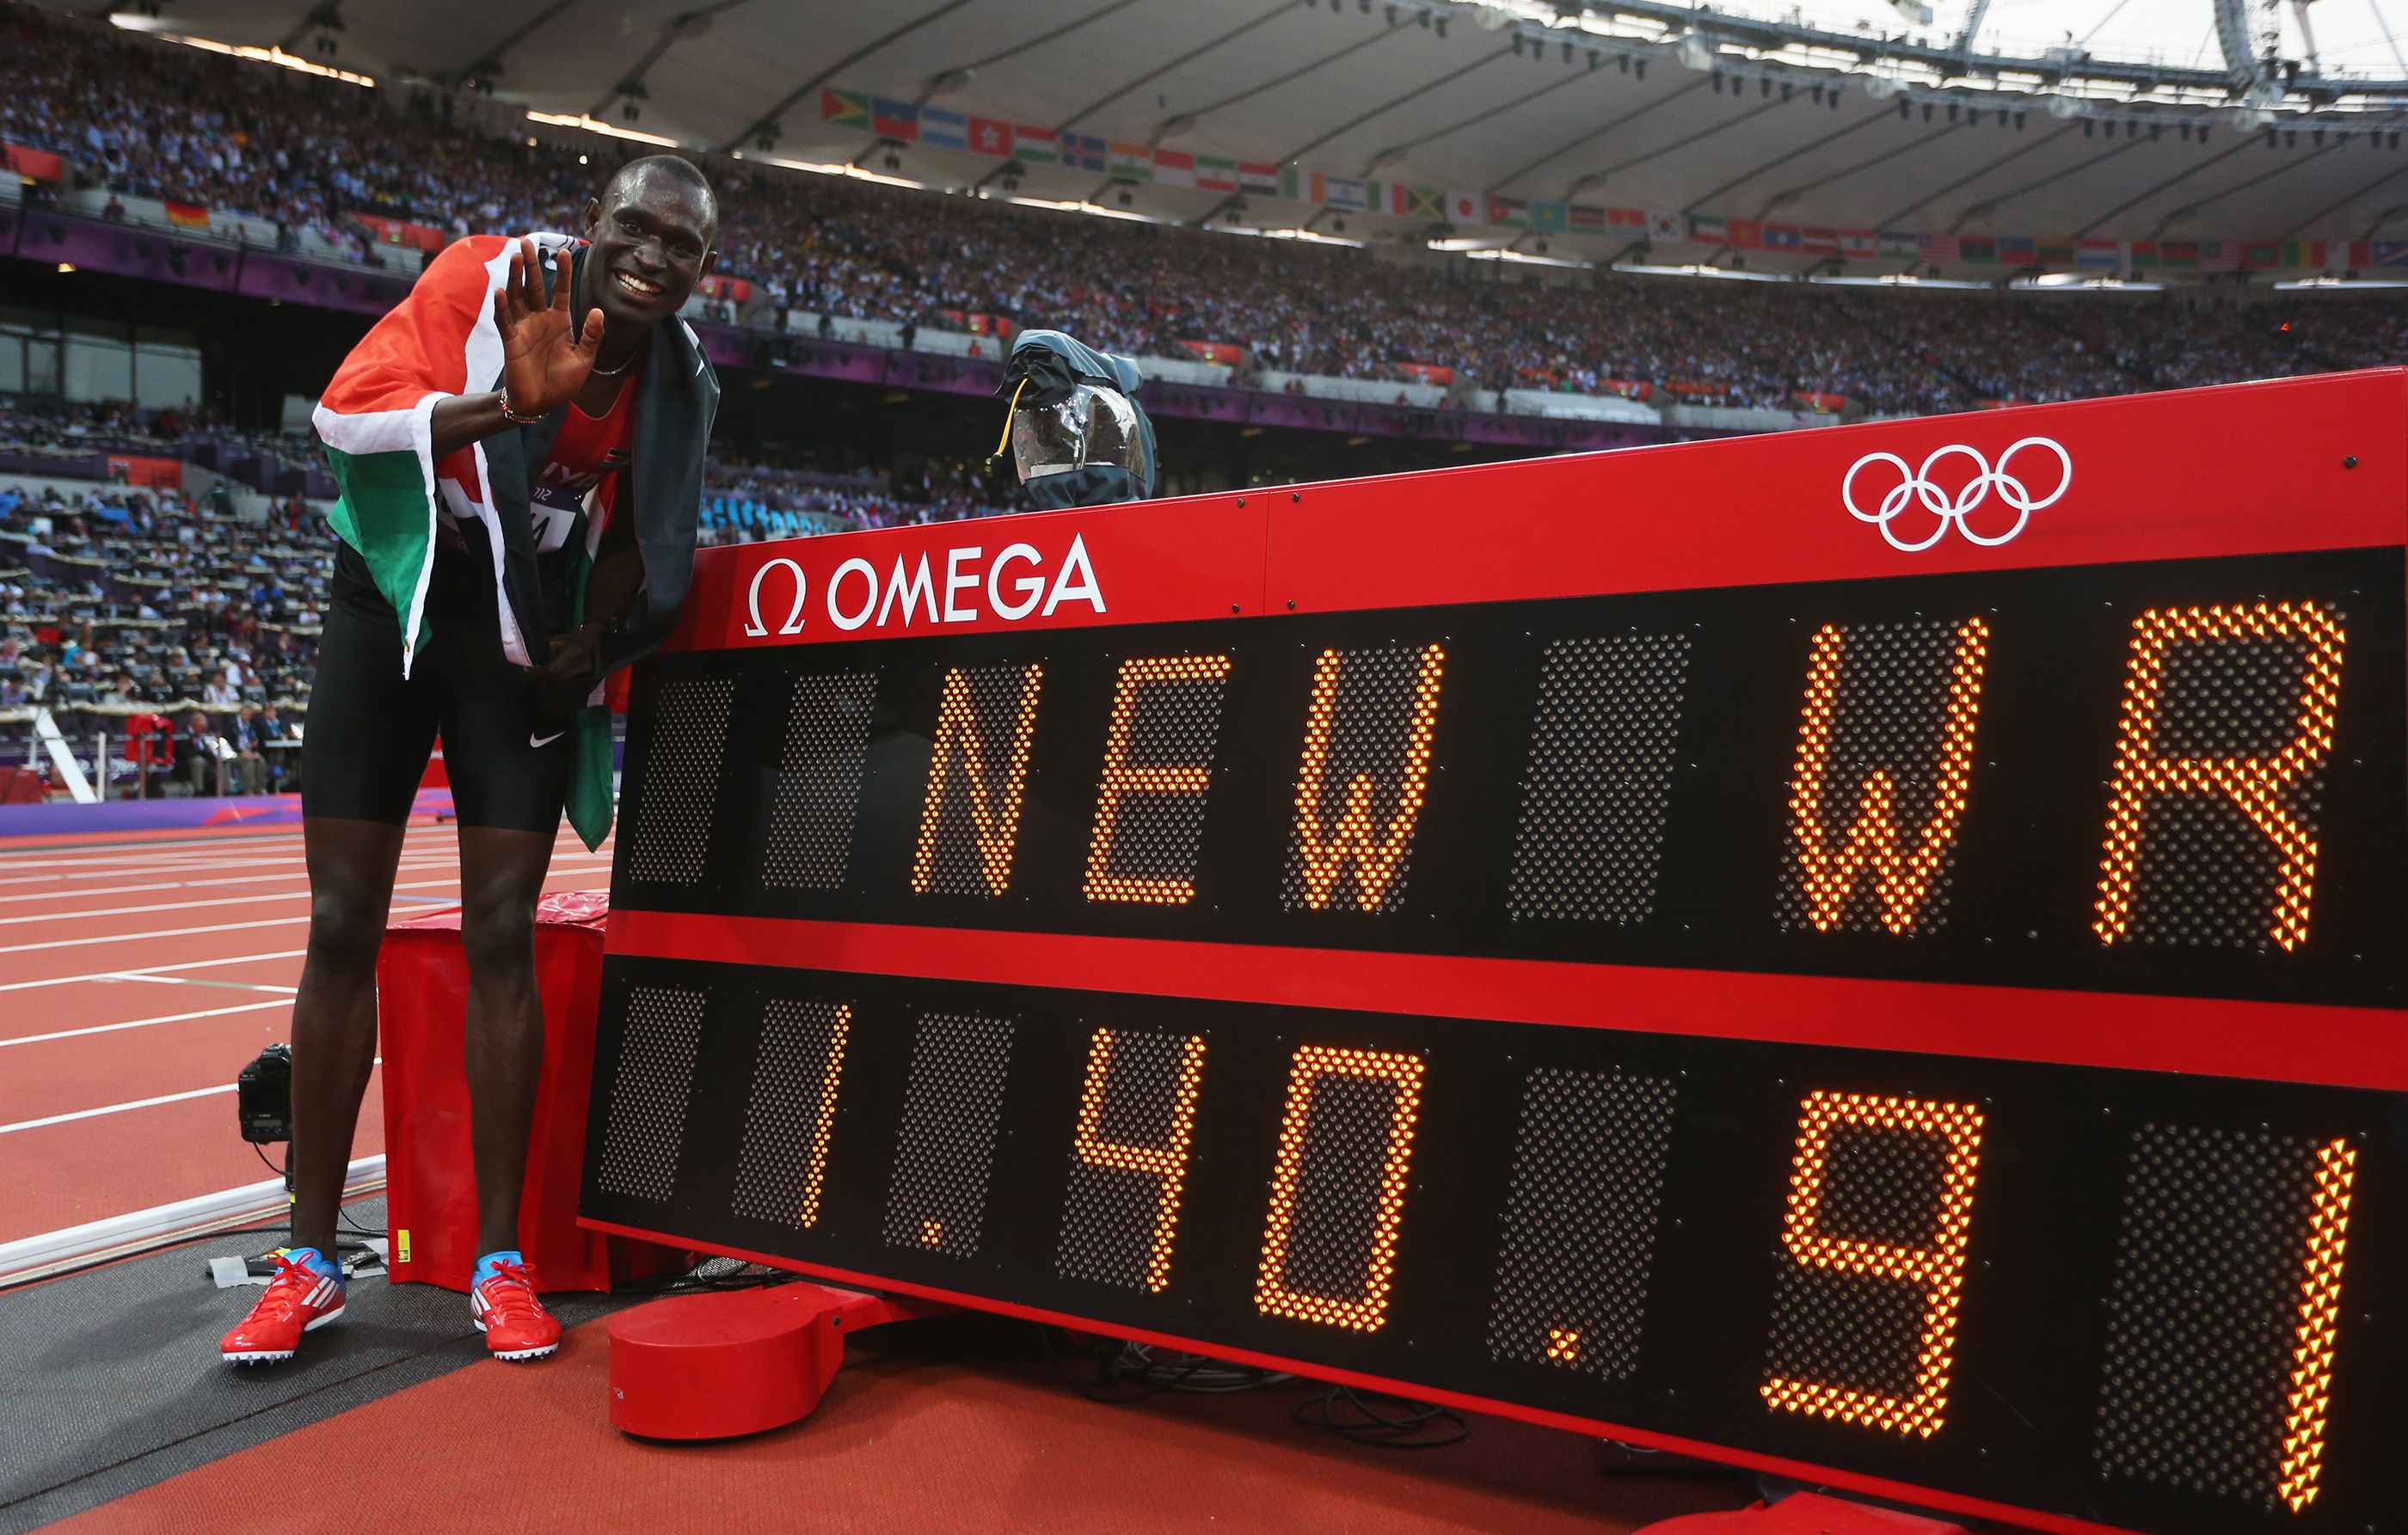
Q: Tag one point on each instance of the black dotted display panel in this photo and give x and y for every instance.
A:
(1590, 841)
(936, 1199)
(1679, 1234)
(818, 793)
(1398, 750)
(2205, 1313)
(1834, 1327)
(1887, 702)
(1115, 1229)
(670, 841)
(1581, 1219)
(646, 1127)
(796, 1076)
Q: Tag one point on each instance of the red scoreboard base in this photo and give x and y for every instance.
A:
(737, 1362)
(1806, 1513)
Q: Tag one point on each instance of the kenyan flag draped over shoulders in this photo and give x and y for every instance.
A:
(376, 419)
(376, 422)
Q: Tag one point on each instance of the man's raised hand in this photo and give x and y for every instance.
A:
(545, 357)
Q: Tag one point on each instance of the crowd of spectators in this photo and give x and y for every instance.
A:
(746, 501)
(145, 599)
(119, 606)
(150, 120)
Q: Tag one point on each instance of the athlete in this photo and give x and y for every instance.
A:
(519, 446)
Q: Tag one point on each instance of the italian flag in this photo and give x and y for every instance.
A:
(375, 419)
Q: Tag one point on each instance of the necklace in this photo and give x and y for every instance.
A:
(614, 372)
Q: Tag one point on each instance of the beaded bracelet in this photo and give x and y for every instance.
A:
(503, 400)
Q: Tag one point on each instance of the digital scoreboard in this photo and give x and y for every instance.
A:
(1873, 953)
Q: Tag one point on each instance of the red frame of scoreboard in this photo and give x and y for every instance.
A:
(2323, 465)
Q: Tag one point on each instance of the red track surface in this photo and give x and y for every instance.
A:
(146, 967)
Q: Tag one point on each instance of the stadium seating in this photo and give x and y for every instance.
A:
(259, 149)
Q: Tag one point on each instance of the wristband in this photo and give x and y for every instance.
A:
(502, 401)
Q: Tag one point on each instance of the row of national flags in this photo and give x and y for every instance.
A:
(996, 138)
(999, 139)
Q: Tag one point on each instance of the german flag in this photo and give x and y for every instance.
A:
(189, 215)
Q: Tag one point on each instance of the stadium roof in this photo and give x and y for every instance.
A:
(1824, 115)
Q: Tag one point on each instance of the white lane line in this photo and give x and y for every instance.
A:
(249, 899)
(254, 898)
(192, 856)
(146, 1023)
(158, 932)
(237, 872)
(126, 1108)
(408, 866)
(147, 971)
(188, 981)
(115, 1108)
(100, 867)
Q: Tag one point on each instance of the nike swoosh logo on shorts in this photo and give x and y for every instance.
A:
(541, 741)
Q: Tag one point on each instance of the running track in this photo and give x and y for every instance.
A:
(137, 975)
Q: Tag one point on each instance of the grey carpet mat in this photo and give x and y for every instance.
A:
(111, 1380)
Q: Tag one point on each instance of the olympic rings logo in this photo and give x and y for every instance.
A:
(1954, 510)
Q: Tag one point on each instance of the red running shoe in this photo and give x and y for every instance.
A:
(300, 1299)
(504, 1309)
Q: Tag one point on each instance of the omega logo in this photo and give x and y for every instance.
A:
(1017, 582)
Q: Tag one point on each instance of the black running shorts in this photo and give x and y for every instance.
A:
(371, 732)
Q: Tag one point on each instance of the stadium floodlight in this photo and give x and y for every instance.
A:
(2061, 104)
(1914, 12)
(591, 125)
(1882, 87)
(1696, 53)
(1525, 258)
(2333, 281)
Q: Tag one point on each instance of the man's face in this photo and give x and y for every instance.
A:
(651, 241)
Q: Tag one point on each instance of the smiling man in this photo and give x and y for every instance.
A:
(520, 448)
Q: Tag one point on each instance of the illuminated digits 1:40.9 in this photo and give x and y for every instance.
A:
(1938, 1269)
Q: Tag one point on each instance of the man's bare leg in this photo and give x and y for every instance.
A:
(501, 878)
(351, 867)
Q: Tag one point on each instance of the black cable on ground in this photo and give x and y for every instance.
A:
(1196, 1373)
(1102, 1356)
(1125, 1373)
(711, 1276)
(1378, 1419)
